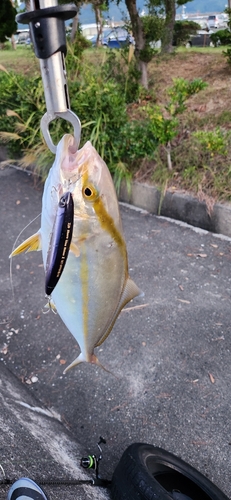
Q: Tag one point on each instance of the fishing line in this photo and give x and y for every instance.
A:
(11, 269)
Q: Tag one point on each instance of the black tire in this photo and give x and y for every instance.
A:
(145, 472)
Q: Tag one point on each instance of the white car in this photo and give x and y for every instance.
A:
(215, 21)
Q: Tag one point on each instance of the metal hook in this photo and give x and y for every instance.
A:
(46, 19)
(66, 115)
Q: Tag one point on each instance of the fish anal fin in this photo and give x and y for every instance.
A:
(130, 291)
(32, 244)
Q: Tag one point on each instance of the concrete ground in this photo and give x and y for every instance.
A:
(169, 352)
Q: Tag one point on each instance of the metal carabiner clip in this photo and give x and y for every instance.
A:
(46, 19)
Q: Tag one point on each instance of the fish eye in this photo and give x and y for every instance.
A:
(90, 192)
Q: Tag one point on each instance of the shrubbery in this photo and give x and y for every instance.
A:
(103, 96)
(183, 30)
(98, 96)
(221, 37)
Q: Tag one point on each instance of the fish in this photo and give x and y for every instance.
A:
(95, 284)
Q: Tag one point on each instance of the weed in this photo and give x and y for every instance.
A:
(212, 141)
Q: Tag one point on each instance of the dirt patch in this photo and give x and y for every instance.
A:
(203, 172)
(210, 67)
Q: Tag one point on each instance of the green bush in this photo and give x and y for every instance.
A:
(183, 30)
(180, 91)
(221, 37)
(97, 97)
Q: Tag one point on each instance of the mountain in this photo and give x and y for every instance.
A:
(118, 13)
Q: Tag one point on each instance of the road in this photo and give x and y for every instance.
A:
(168, 354)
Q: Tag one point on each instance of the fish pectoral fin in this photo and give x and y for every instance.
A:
(75, 249)
(30, 245)
(130, 291)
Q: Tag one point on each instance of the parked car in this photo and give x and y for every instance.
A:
(213, 22)
(22, 36)
(115, 38)
(201, 39)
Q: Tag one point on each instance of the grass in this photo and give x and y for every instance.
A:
(202, 50)
(198, 166)
(21, 60)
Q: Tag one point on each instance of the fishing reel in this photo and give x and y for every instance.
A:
(92, 462)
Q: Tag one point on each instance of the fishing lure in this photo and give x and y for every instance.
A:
(60, 242)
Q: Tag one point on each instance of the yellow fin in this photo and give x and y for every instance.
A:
(130, 291)
(30, 245)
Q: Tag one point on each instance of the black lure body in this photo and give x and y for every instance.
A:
(60, 242)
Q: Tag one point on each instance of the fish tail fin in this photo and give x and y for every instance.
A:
(30, 245)
(77, 361)
(91, 359)
(95, 361)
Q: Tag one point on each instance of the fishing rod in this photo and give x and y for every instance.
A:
(92, 462)
(47, 27)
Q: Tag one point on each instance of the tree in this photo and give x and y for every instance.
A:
(170, 14)
(146, 30)
(8, 24)
(75, 22)
(99, 7)
(138, 33)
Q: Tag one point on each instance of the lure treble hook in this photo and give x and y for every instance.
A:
(46, 19)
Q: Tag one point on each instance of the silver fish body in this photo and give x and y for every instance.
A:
(94, 285)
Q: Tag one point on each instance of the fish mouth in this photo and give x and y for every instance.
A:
(69, 163)
(76, 164)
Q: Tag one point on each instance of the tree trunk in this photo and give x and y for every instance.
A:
(74, 27)
(167, 39)
(99, 22)
(13, 43)
(137, 29)
(144, 74)
(169, 159)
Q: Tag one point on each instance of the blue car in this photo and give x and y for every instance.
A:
(115, 38)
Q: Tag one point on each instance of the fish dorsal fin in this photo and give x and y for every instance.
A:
(130, 291)
(30, 245)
